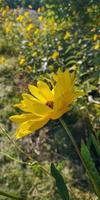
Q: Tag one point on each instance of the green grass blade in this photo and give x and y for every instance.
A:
(96, 144)
(61, 186)
(91, 169)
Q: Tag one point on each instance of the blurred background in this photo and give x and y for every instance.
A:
(36, 38)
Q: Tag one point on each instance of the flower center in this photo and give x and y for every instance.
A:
(50, 104)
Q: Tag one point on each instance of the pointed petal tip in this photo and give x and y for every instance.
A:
(19, 136)
(11, 117)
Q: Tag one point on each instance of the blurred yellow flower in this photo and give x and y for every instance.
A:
(29, 27)
(26, 14)
(3, 13)
(44, 103)
(30, 6)
(97, 46)
(34, 53)
(41, 9)
(8, 26)
(55, 55)
(20, 18)
(41, 18)
(22, 60)
(29, 69)
(30, 44)
(60, 47)
(67, 35)
(4, 10)
(2, 59)
(37, 31)
(95, 36)
(93, 29)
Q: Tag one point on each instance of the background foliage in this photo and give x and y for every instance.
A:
(33, 43)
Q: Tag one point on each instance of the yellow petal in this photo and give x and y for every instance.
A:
(30, 126)
(40, 109)
(28, 96)
(21, 106)
(55, 75)
(63, 89)
(22, 118)
(35, 92)
(55, 55)
(63, 78)
(32, 105)
(57, 114)
(45, 90)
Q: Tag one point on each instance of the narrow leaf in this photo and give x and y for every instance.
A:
(91, 169)
(61, 186)
(71, 62)
(96, 144)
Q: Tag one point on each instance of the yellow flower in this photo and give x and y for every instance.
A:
(3, 13)
(55, 55)
(38, 10)
(97, 46)
(29, 27)
(22, 60)
(60, 47)
(42, 9)
(95, 37)
(44, 103)
(67, 35)
(34, 54)
(20, 18)
(37, 31)
(29, 68)
(41, 18)
(26, 14)
(8, 26)
(30, 44)
(30, 6)
(93, 29)
(4, 10)
(2, 59)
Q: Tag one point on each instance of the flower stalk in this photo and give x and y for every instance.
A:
(71, 138)
(79, 154)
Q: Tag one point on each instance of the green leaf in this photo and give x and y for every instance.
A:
(91, 169)
(96, 144)
(68, 50)
(73, 58)
(61, 186)
(71, 62)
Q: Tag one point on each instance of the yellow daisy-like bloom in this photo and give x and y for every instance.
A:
(29, 27)
(67, 35)
(55, 55)
(44, 103)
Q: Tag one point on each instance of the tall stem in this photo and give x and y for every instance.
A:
(72, 140)
(79, 154)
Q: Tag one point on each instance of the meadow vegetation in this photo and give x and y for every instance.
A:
(35, 43)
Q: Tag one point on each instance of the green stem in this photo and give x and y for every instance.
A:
(12, 196)
(79, 154)
(72, 140)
